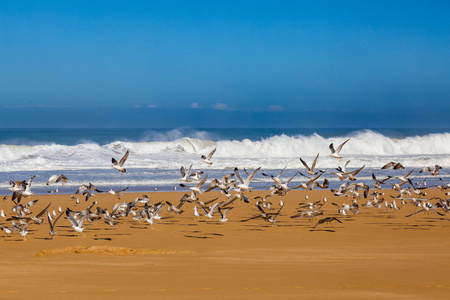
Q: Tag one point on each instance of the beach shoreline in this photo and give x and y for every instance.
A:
(377, 253)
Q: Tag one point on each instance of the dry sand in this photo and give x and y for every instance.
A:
(376, 254)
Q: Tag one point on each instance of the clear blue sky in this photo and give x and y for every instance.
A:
(257, 59)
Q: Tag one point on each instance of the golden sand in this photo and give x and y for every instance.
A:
(375, 254)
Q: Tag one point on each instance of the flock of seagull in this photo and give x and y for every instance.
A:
(233, 187)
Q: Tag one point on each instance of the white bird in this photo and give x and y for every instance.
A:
(223, 214)
(27, 192)
(213, 209)
(22, 231)
(52, 231)
(196, 214)
(119, 165)
(309, 170)
(56, 178)
(335, 153)
(197, 189)
(433, 170)
(244, 185)
(197, 175)
(185, 174)
(207, 159)
(77, 225)
(7, 230)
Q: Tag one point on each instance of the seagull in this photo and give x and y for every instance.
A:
(335, 153)
(403, 177)
(212, 209)
(276, 179)
(197, 175)
(185, 174)
(309, 170)
(22, 231)
(327, 220)
(377, 183)
(89, 187)
(119, 165)
(17, 186)
(7, 230)
(223, 214)
(207, 159)
(77, 225)
(116, 193)
(433, 171)
(52, 231)
(196, 213)
(394, 164)
(351, 175)
(27, 192)
(244, 185)
(306, 184)
(56, 178)
(197, 188)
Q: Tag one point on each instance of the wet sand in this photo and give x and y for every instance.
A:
(375, 254)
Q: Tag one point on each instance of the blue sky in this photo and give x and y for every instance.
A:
(216, 60)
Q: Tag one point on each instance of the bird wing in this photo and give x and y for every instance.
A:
(357, 171)
(314, 179)
(30, 181)
(182, 171)
(52, 179)
(43, 211)
(71, 218)
(388, 165)
(211, 154)
(124, 158)
(304, 163)
(281, 172)
(314, 163)
(238, 175)
(332, 148)
(292, 178)
(199, 185)
(398, 166)
(338, 150)
(250, 177)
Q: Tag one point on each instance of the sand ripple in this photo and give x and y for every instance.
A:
(104, 250)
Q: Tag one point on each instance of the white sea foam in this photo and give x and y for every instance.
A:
(365, 147)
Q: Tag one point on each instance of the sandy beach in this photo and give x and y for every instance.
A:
(375, 254)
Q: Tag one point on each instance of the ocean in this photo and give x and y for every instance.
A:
(156, 155)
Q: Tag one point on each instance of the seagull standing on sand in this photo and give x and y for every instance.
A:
(335, 153)
(119, 165)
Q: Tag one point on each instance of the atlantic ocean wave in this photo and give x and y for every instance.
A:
(365, 147)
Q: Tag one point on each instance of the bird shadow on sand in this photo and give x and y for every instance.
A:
(139, 227)
(326, 230)
(104, 239)
(197, 237)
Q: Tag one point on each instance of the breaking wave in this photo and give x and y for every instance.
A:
(366, 146)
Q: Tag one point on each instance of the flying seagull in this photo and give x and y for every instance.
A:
(207, 159)
(56, 178)
(309, 170)
(119, 165)
(335, 152)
